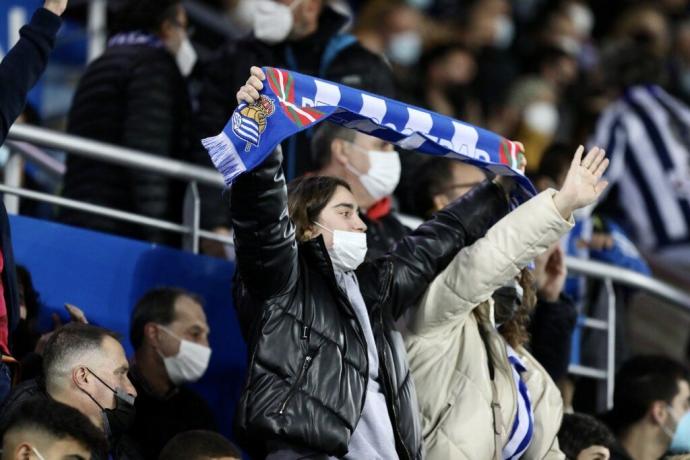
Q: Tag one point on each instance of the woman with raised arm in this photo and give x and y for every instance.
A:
(481, 394)
(328, 376)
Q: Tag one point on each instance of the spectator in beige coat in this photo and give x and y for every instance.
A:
(481, 394)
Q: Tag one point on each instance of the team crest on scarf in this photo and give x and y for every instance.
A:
(250, 121)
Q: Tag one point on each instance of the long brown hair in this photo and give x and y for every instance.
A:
(514, 331)
(307, 196)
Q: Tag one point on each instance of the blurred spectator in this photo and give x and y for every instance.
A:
(371, 168)
(537, 102)
(169, 334)
(200, 445)
(19, 71)
(301, 35)
(46, 430)
(135, 96)
(482, 301)
(448, 75)
(85, 367)
(651, 398)
(645, 133)
(583, 437)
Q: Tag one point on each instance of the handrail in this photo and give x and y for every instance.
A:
(110, 153)
(629, 278)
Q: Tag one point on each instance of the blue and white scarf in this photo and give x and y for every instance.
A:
(291, 102)
(523, 426)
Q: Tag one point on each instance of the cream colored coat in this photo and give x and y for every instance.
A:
(448, 358)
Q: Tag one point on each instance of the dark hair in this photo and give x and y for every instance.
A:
(68, 342)
(580, 431)
(156, 306)
(307, 196)
(324, 136)
(515, 330)
(144, 15)
(632, 62)
(58, 421)
(31, 297)
(434, 176)
(555, 161)
(640, 382)
(198, 445)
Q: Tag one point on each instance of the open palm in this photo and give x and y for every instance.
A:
(583, 184)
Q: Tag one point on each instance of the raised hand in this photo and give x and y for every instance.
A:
(56, 6)
(249, 92)
(583, 184)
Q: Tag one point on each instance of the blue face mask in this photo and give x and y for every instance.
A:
(680, 444)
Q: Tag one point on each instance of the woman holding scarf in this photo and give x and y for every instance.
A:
(328, 376)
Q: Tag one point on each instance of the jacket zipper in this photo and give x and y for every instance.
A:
(293, 389)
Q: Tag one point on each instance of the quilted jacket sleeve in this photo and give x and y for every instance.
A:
(264, 234)
(478, 270)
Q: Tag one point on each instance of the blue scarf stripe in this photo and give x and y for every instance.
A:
(291, 102)
(523, 424)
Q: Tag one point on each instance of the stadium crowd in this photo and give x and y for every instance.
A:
(394, 304)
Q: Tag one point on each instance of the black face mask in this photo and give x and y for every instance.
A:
(119, 420)
(507, 301)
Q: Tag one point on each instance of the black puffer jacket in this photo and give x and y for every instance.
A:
(308, 367)
(134, 96)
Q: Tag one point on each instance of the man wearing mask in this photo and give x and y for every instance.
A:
(134, 95)
(371, 167)
(85, 367)
(169, 334)
(301, 35)
(651, 408)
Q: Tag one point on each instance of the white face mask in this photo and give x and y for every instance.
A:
(189, 364)
(349, 248)
(405, 48)
(273, 20)
(383, 175)
(186, 57)
(541, 117)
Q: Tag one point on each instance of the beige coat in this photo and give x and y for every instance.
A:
(448, 358)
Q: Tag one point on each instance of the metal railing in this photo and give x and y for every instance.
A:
(611, 275)
(129, 158)
(195, 175)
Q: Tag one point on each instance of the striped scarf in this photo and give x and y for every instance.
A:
(291, 102)
(523, 426)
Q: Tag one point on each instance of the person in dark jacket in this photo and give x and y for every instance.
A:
(19, 71)
(371, 167)
(169, 334)
(300, 35)
(328, 372)
(134, 95)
